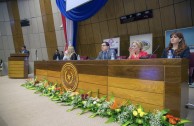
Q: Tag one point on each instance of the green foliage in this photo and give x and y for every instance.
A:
(127, 114)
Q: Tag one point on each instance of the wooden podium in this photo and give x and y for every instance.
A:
(18, 66)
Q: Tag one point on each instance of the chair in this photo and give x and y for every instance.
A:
(191, 66)
(152, 56)
(121, 57)
(1, 67)
(191, 69)
(83, 57)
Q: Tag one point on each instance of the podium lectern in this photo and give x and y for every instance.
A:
(18, 66)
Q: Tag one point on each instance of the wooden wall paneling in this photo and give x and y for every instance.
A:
(183, 14)
(152, 4)
(92, 50)
(89, 33)
(87, 21)
(132, 28)
(155, 24)
(140, 5)
(168, 18)
(104, 30)
(129, 6)
(18, 42)
(47, 6)
(124, 45)
(122, 28)
(98, 49)
(119, 8)
(163, 3)
(143, 26)
(158, 41)
(96, 33)
(178, 1)
(50, 22)
(110, 11)
(95, 18)
(112, 27)
(42, 7)
(192, 11)
(102, 14)
(82, 34)
(85, 50)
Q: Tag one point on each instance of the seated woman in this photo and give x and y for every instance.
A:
(70, 54)
(136, 50)
(177, 46)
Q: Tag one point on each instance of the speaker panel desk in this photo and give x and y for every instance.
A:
(153, 83)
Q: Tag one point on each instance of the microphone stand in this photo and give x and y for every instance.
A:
(154, 51)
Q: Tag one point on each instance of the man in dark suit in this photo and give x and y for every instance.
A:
(24, 50)
(106, 52)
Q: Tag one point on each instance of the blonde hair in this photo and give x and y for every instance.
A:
(138, 43)
(71, 50)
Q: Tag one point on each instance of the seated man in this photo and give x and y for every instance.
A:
(106, 53)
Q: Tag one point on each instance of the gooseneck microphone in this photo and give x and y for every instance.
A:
(154, 51)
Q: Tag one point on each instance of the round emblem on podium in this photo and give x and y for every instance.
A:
(69, 76)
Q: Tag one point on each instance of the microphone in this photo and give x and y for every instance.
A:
(154, 51)
(36, 54)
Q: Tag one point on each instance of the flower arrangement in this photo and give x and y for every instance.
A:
(127, 114)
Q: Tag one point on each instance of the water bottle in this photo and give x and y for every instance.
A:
(169, 55)
(112, 56)
(78, 57)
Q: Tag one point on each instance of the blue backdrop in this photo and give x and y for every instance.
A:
(188, 34)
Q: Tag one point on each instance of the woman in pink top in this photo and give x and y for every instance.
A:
(136, 50)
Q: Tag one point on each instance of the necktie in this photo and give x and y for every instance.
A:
(105, 55)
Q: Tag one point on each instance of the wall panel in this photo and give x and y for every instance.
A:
(155, 24)
(110, 12)
(112, 27)
(165, 2)
(152, 4)
(140, 5)
(96, 33)
(183, 14)
(104, 29)
(168, 18)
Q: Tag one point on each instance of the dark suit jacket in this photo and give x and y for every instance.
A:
(109, 53)
(73, 56)
(183, 54)
(55, 56)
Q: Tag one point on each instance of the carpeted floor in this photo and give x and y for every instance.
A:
(20, 107)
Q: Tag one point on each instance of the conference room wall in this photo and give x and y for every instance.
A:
(6, 37)
(167, 14)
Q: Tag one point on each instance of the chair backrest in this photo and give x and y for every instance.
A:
(191, 60)
(83, 57)
(152, 55)
(121, 57)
